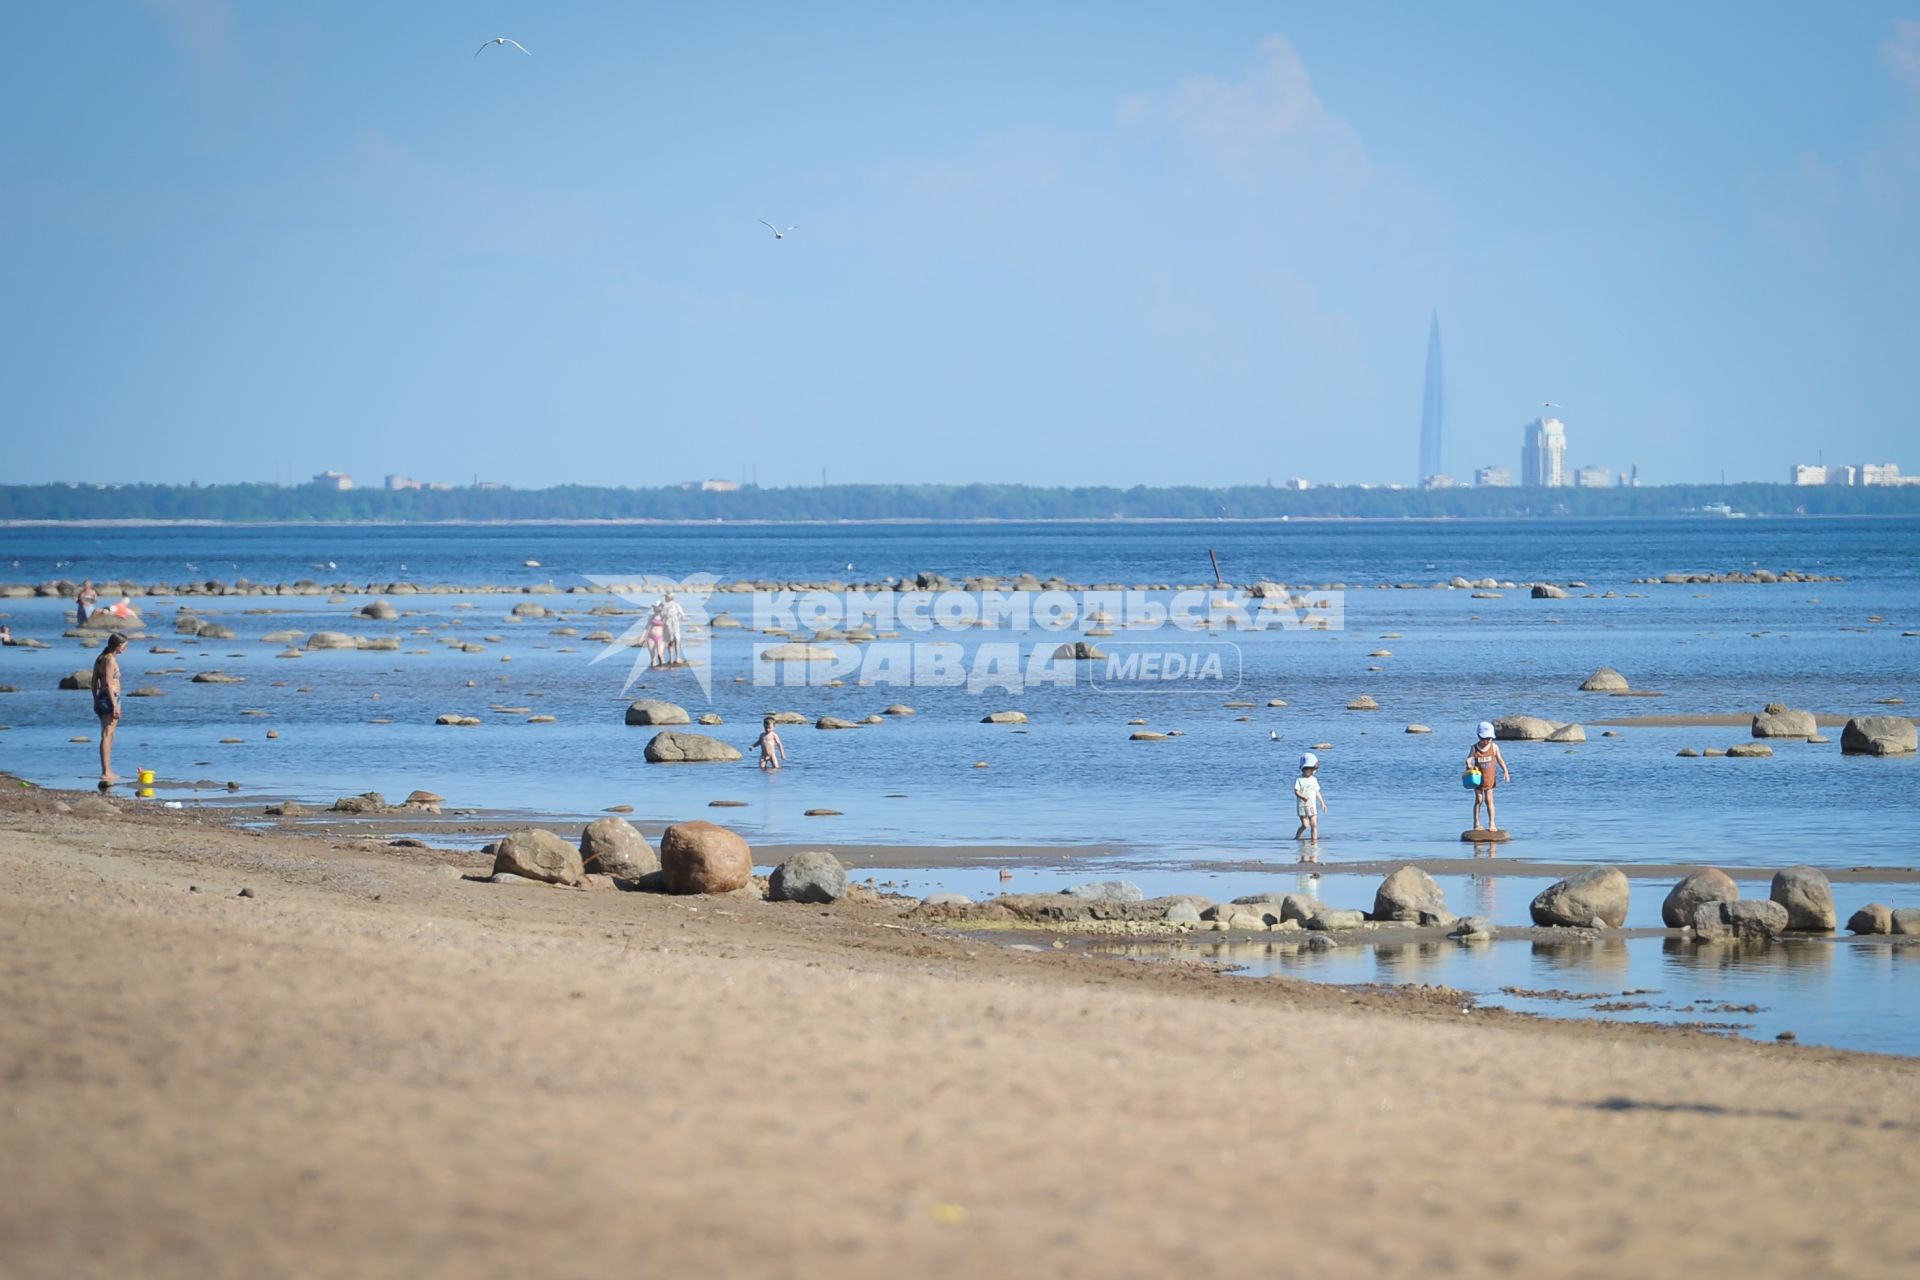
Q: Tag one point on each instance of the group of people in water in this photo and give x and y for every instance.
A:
(1484, 761)
(663, 633)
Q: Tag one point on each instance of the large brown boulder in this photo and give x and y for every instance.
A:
(615, 847)
(1878, 736)
(1709, 884)
(703, 857)
(1596, 897)
(539, 855)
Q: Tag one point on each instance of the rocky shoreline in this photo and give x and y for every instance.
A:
(923, 581)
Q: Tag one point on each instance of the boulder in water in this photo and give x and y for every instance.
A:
(1709, 884)
(1596, 898)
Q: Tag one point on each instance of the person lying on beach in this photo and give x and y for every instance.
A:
(1485, 757)
(773, 752)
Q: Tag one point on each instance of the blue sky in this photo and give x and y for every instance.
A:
(1102, 243)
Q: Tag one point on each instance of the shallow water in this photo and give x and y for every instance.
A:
(1845, 994)
(1071, 777)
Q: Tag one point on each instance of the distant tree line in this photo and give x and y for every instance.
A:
(256, 503)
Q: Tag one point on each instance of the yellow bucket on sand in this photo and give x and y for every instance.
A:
(146, 777)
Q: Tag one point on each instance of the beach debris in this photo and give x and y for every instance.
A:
(703, 857)
(615, 847)
(1413, 896)
(1695, 890)
(672, 747)
(1605, 680)
(655, 711)
(539, 854)
(1874, 918)
(1863, 736)
(1779, 721)
(1594, 899)
(1752, 919)
(808, 877)
(1807, 895)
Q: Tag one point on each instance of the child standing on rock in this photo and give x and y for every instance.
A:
(1306, 796)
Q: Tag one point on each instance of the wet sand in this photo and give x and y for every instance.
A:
(374, 1068)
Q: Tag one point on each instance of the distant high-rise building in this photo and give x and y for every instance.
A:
(399, 482)
(1543, 454)
(1493, 478)
(334, 480)
(1592, 477)
(1809, 473)
(1433, 444)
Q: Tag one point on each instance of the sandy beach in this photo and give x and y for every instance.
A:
(371, 1066)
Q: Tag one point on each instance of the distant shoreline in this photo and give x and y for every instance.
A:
(664, 522)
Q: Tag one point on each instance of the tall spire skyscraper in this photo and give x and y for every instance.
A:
(1433, 444)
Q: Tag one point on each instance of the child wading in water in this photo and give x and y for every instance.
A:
(773, 752)
(1306, 795)
(1484, 757)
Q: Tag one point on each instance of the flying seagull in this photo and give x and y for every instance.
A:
(503, 40)
(778, 233)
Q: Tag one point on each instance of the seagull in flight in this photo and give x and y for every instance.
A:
(503, 40)
(778, 232)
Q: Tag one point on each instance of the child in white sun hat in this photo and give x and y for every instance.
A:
(1306, 796)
